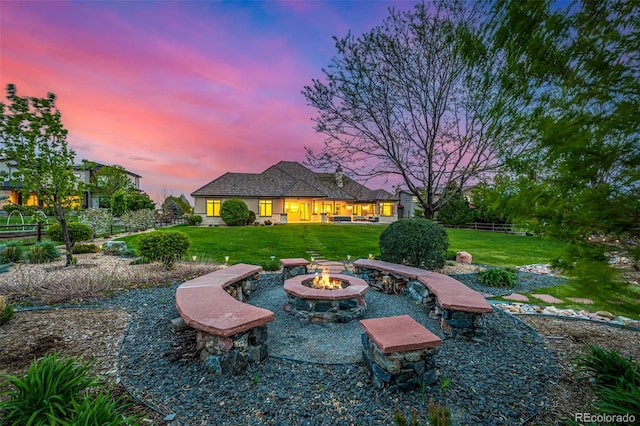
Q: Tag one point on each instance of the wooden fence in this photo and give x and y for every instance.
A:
(506, 228)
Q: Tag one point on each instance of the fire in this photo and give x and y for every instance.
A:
(324, 282)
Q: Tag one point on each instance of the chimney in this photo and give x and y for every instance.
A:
(339, 177)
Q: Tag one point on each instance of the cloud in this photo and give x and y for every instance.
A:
(178, 92)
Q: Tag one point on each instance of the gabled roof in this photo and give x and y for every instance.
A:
(289, 179)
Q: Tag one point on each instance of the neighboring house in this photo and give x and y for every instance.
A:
(289, 192)
(409, 205)
(85, 175)
(14, 194)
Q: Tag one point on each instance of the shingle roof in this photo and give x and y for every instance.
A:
(289, 179)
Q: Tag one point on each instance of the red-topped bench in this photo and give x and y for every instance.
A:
(400, 352)
(460, 308)
(294, 267)
(231, 334)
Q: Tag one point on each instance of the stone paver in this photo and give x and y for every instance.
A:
(516, 297)
(582, 300)
(546, 298)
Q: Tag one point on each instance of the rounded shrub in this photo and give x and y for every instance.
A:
(43, 252)
(77, 232)
(251, 219)
(166, 247)
(11, 252)
(194, 219)
(414, 242)
(234, 212)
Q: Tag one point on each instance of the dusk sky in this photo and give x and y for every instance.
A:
(180, 92)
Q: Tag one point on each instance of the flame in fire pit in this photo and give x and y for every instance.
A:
(326, 283)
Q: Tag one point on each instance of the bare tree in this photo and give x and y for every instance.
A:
(410, 98)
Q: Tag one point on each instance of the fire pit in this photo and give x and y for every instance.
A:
(326, 298)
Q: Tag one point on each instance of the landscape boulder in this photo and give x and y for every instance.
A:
(463, 257)
(114, 248)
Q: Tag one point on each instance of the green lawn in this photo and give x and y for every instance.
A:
(255, 244)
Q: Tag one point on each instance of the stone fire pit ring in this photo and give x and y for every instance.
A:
(321, 305)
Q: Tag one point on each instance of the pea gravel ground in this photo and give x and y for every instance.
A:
(314, 375)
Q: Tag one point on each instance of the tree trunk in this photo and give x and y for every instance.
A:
(65, 232)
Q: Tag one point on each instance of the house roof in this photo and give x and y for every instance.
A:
(289, 179)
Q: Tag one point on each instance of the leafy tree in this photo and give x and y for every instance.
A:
(98, 219)
(172, 208)
(411, 98)
(181, 201)
(118, 203)
(574, 75)
(34, 138)
(109, 179)
(139, 200)
(457, 210)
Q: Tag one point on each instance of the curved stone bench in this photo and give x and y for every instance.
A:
(231, 333)
(460, 308)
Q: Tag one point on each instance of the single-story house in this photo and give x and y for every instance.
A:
(289, 192)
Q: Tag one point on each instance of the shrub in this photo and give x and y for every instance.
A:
(450, 255)
(616, 380)
(98, 219)
(251, 219)
(499, 277)
(6, 311)
(234, 212)
(102, 409)
(271, 265)
(11, 252)
(267, 222)
(194, 219)
(77, 232)
(139, 220)
(165, 247)
(85, 248)
(439, 415)
(54, 391)
(46, 392)
(114, 248)
(414, 242)
(43, 252)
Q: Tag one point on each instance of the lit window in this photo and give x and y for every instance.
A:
(213, 207)
(386, 209)
(266, 207)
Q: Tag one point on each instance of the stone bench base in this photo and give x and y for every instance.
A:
(400, 353)
(294, 267)
(232, 355)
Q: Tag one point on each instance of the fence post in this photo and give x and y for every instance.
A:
(39, 231)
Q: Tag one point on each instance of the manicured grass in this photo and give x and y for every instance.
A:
(256, 245)
(489, 248)
(335, 242)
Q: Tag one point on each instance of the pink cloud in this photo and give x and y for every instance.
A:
(179, 93)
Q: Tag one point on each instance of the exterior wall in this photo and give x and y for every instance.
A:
(200, 208)
(290, 210)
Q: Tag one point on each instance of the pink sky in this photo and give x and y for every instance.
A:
(179, 92)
